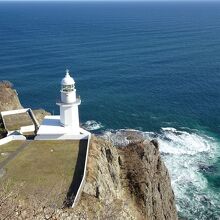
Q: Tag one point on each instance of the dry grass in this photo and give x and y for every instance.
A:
(16, 121)
(8, 148)
(40, 114)
(45, 169)
(6, 84)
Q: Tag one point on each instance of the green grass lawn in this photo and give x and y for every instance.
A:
(43, 170)
(15, 121)
(9, 148)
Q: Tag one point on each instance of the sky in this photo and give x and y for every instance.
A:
(121, 0)
(117, 0)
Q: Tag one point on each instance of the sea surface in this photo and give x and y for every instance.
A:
(150, 67)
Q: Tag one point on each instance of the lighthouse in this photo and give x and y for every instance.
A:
(69, 113)
(64, 126)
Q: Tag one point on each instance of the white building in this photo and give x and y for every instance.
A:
(65, 125)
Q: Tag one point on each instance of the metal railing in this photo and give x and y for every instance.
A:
(78, 100)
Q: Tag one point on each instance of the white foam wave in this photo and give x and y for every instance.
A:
(92, 125)
(169, 129)
(121, 137)
(183, 153)
(181, 142)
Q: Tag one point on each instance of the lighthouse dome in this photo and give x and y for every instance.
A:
(67, 80)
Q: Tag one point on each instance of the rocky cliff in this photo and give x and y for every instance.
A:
(129, 182)
(8, 97)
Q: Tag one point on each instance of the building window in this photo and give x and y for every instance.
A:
(67, 88)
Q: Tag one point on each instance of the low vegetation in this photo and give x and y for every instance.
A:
(42, 167)
(8, 97)
(7, 149)
(6, 84)
(16, 121)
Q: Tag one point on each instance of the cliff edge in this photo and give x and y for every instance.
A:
(8, 97)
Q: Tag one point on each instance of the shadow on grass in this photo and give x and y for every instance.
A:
(78, 174)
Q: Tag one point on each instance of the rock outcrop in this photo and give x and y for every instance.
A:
(40, 114)
(8, 97)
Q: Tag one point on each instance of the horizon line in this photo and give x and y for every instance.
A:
(181, 1)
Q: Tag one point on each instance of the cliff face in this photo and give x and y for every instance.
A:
(126, 183)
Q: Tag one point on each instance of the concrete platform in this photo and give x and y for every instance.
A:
(51, 129)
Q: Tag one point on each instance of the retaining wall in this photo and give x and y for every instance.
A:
(12, 138)
(78, 194)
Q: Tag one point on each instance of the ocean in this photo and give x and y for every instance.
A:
(150, 67)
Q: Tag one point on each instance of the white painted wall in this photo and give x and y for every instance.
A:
(78, 194)
(12, 112)
(29, 128)
(11, 138)
(68, 97)
(69, 117)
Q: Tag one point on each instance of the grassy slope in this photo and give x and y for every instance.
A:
(44, 169)
(9, 148)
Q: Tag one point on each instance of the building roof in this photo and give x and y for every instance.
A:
(67, 80)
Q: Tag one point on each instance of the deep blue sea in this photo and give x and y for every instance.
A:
(151, 67)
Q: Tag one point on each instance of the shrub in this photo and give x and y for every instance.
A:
(6, 84)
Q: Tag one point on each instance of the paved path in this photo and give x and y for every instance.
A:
(14, 154)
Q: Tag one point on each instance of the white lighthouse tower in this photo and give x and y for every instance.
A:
(69, 114)
(66, 125)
